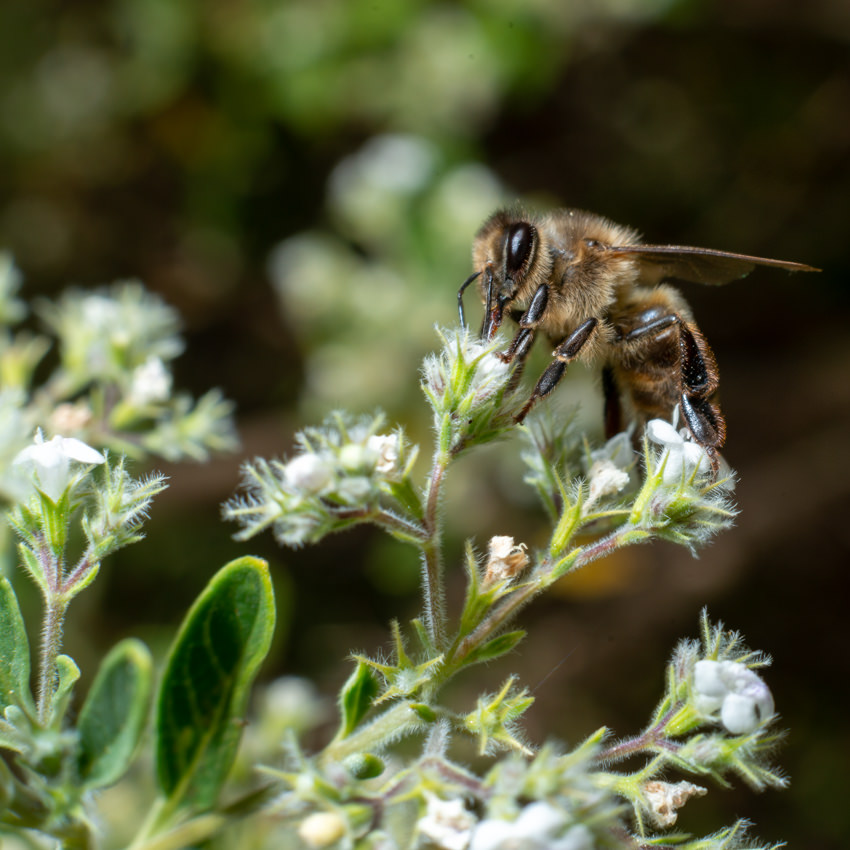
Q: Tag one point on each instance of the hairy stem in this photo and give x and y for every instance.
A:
(432, 557)
(393, 724)
(51, 644)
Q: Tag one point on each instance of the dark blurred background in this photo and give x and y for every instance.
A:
(302, 181)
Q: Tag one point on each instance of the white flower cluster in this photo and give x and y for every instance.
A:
(732, 691)
(467, 373)
(449, 825)
(341, 467)
(540, 826)
(347, 473)
(103, 333)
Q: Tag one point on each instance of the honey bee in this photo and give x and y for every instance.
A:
(597, 292)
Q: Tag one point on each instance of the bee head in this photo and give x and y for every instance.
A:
(506, 255)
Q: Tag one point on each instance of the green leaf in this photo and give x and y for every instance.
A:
(67, 674)
(113, 716)
(495, 648)
(356, 697)
(33, 566)
(206, 683)
(14, 652)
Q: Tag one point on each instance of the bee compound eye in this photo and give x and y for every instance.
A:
(519, 244)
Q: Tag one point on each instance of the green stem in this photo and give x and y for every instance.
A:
(432, 557)
(544, 576)
(383, 730)
(51, 644)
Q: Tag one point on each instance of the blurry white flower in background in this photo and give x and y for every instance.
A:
(150, 383)
(540, 826)
(447, 823)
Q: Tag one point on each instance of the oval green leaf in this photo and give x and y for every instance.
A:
(356, 698)
(14, 652)
(67, 674)
(206, 683)
(113, 716)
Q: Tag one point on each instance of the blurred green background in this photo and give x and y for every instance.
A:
(302, 179)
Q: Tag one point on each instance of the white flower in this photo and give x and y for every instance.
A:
(447, 823)
(605, 479)
(537, 828)
(50, 462)
(666, 798)
(308, 472)
(618, 450)
(681, 457)
(740, 695)
(387, 447)
(151, 383)
(609, 469)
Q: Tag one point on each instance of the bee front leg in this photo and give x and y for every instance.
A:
(528, 323)
(566, 352)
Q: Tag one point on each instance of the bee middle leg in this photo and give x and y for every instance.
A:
(566, 352)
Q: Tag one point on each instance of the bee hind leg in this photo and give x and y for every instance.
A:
(699, 381)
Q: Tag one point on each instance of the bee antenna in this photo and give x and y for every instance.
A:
(460, 298)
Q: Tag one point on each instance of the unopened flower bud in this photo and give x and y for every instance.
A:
(308, 472)
(321, 829)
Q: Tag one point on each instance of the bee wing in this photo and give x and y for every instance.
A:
(699, 265)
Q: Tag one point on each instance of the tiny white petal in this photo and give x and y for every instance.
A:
(354, 489)
(695, 457)
(539, 819)
(77, 450)
(663, 433)
(577, 837)
(739, 714)
(673, 459)
(605, 479)
(308, 472)
(491, 835)
(388, 448)
(708, 679)
(618, 450)
(447, 823)
(151, 382)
